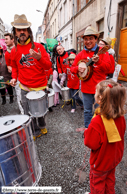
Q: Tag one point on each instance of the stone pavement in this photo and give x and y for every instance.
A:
(61, 152)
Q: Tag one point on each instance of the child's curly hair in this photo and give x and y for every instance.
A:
(112, 98)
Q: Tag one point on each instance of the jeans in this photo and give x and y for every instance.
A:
(88, 101)
(76, 97)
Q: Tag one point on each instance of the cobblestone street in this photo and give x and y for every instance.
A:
(61, 151)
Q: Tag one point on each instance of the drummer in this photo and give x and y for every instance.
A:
(6, 78)
(73, 84)
(101, 67)
(29, 62)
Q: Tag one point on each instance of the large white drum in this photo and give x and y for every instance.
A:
(18, 160)
(37, 102)
(51, 95)
(65, 93)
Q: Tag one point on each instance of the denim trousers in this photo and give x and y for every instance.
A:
(75, 98)
(88, 101)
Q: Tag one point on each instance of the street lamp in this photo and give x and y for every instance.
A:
(41, 25)
(39, 10)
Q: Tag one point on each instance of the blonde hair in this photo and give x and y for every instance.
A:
(112, 98)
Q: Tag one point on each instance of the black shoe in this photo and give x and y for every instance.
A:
(50, 109)
(11, 99)
(3, 101)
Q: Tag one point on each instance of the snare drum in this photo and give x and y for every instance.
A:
(65, 93)
(19, 165)
(51, 95)
(37, 103)
(1, 84)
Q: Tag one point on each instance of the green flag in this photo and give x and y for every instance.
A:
(51, 43)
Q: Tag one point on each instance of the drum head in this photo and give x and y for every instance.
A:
(65, 88)
(8, 123)
(51, 92)
(33, 95)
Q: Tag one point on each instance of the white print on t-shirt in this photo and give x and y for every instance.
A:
(69, 73)
(25, 60)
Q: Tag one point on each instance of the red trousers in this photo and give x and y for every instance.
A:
(102, 182)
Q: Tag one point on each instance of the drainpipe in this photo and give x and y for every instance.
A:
(73, 25)
(109, 18)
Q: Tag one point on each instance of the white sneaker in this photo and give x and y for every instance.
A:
(72, 110)
(87, 192)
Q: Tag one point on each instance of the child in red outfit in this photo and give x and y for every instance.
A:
(73, 84)
(105, 136)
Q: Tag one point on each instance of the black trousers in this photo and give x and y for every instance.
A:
(9, 89)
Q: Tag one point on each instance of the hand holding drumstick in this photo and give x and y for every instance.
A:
(13, 82)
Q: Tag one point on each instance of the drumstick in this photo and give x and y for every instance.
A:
(5, 83)
(75, 93)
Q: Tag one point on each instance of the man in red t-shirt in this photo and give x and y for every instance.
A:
(9, 40)
(101, 67)
(29, 60)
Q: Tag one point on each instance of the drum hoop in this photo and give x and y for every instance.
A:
(63, 89)
(36, 98)
(14, 130)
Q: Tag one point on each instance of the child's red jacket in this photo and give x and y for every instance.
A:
(104, 156)
(72, 79)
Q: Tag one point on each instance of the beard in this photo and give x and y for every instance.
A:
(22, 37)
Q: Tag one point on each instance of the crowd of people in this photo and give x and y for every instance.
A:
(28, 67)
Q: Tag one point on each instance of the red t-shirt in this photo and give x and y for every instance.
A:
(104, 156)
(100, 70)
(62, 66)
(30, 71)
(48, 73)
(72, 79)
(8, 58)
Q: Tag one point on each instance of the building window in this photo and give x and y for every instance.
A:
(61, 19)
(65, 12)
(100, 25)
(125, 16)
(66, 43)
(87, 1)
(78, 5)
(53, 30)
(80, 44)
(55, 27)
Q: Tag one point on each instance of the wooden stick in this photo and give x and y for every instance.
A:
(75, 93)
(5, 83)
